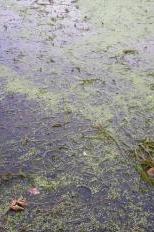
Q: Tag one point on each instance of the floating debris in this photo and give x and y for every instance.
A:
(57, 125)
(130, 51)
(18, 205)
(150, 172)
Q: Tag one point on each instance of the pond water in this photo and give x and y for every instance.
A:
(77, 114)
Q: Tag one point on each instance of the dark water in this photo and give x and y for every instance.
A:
(76, 101)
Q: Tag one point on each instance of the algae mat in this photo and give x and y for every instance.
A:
(77, 115)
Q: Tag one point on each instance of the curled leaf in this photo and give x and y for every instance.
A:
(18, 205)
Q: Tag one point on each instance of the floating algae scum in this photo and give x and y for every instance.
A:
(77, 115)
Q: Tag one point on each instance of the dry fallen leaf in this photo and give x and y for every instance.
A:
(18, 205)
(150, 172)
(34, 191)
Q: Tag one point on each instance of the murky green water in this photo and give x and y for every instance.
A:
(76, 102)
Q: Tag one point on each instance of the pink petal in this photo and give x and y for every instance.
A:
(34, 191)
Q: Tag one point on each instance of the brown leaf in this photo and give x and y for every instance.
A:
(22, 202)
(16, 208)
(150, 172)
(18, 205)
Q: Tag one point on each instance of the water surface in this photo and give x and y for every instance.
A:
(76, 102)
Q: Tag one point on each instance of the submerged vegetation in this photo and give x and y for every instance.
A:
(144, 155)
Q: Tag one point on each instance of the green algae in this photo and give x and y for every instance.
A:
(52, 99)
(35, 93)
(30, 154)
(88, 81)
(6, 72)
(9, 176)
(105, 40)
(52, 184)
(122, 16)
(84, 96)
